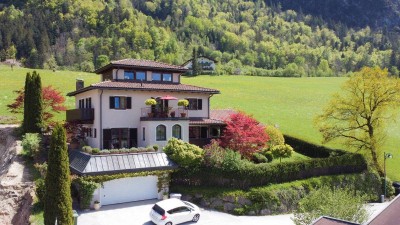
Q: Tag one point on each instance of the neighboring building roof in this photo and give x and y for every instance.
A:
(217, 117)
(389, 216)
(185, 63)
(85, 164)
(141, 64)
(145, 86)
(325, 220)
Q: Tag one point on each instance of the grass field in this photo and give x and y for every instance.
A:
(290, 103)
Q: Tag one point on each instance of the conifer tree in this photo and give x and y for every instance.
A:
(27, 101)
(58, 202)
(37, 104)
(195, 63)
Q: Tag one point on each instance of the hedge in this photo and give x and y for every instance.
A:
(251, 175)
(310, 149)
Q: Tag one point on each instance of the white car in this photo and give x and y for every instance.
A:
(174, 211)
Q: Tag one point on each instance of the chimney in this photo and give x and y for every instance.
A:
(79, 84)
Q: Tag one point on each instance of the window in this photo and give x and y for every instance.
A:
(144, 133)
(95, 133)
(156, 77)
(161, 133)
(195, 104)
(176, 131)
(88, 103)
(118, 102)
(215, 132)
(167, 77)
(140, 75)
(81, 103)
(128, 75)
(198, 132)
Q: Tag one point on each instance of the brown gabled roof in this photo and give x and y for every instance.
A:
(139, 86)
(141, 64)
(324, 220)
(390, 215)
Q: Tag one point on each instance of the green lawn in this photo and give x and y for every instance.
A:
(62, 80)
(290, 103)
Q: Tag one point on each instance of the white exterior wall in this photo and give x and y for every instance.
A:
(130, 118)
(150, 135)
(201, 60)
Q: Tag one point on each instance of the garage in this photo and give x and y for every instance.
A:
(129, 190)
(130, 186)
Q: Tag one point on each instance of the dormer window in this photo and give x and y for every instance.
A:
(167, 77)
(156, 76)
(135, 75)
(161, 77)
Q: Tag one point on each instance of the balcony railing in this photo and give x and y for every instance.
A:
(169, 113)
(80, 115)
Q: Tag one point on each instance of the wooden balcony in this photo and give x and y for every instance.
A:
(85, 116)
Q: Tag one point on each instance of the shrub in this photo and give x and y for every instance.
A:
(268, 155)
(40, 191)
(183, 102)
(86, 190)
(282, 151)
(87, 149)
(31, 144)
(275, 136)
(95, 150)
(312, 150)
(42, 168)
(259, 158)
(339, 203)
(150, 101)
(155, 147)
(183, 153)
(213, 154)
(244, 134)
(232, 161)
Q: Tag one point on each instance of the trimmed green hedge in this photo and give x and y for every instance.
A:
(310, 149)
(248, 175)
(283, 198)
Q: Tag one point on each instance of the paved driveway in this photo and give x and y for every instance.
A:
(137, 213)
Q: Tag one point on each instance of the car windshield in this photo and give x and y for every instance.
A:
(158, 209)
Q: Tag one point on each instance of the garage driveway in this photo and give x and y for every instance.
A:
(137, 213)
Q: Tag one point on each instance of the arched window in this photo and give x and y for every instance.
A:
(177, 131)
(161, 132)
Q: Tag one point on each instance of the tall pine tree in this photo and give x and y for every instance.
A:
(195, 63)
(37, 104)
(27, 103)
(58, 202)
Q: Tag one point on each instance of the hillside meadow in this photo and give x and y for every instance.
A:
(289, 103)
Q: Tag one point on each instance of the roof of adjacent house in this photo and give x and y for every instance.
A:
(325, 220)
(217, 117)
(85, 164)
(389, 216)
(141, 64)
(145, 86)
(185, 63)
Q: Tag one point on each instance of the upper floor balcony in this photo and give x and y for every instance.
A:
(169, 113)
(80, 115)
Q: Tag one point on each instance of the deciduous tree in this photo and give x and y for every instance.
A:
(244, 134)
(58, 202)
(358, 114)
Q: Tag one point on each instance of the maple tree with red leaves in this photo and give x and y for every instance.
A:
(53, 102)
(244, 134)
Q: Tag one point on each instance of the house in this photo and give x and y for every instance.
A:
(207, 65)
(388, 216)
(114, 115)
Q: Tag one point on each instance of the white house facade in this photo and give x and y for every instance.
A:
(114, 114)
(206, 65)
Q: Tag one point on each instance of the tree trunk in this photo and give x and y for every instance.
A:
(375, 162)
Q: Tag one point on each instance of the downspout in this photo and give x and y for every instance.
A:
(101, 119)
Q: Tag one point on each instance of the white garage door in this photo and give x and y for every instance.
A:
(129, 190)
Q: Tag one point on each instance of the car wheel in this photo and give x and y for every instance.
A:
(196, 218)
(169, 223)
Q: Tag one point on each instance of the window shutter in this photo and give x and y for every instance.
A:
(112, 103)
(199, 104)
(129, 102)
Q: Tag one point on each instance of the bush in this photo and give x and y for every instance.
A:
(275, 136)
(232, 161)
(213, 154)
(183, 153)
(268, 155)
(95, 150)
(87, 149)
(150, 101)
(312, 150)
(282, 151)
(259, 158)
(339, 203)
(40, 191)
(31, 144)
